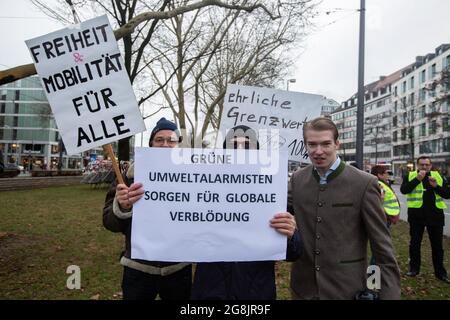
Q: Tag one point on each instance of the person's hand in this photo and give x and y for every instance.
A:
(432, 181)
(421, 175)
(284, 223)
(127, 196)
(393, 219)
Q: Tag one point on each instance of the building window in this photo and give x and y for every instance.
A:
(411, 82)
(411, 133)
(421, 112)
(404, 87)
(432, 71)
(433, 107)
(433, 127)
(411, 99)
(403, 134)
(394, 136)
(423, 129)
(446, 124)
(446, 106)
(422, 94)
(432, 146)
(422, 76)
(405, 118)
(446, 145)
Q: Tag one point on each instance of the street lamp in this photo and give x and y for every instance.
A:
(287, 83)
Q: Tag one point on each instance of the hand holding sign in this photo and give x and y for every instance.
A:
(284, 223)
(127, 196)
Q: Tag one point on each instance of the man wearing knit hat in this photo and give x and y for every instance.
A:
(165, 131)
(145, 279)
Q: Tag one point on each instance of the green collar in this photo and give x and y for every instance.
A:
(332, 175)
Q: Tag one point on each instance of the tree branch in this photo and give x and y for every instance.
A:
(19, 72)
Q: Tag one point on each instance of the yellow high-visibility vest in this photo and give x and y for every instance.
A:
(390, 204)
(415, 198)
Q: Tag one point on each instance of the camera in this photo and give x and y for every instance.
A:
(367, 295)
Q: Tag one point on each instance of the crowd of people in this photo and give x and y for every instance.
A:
(334, 210)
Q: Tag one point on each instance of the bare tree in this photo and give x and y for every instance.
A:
(203, 32)
(19, 72)
(442, 85)
(405, 119)
(209, 49)
(379, 132)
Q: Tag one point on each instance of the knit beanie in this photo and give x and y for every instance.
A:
(163, 124)
(241, 131)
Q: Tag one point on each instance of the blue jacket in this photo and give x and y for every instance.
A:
(254, 280)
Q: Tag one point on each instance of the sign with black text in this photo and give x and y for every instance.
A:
(204, 205)
(278, 116)
(87, 85)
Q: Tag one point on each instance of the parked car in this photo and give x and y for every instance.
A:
(10, 170)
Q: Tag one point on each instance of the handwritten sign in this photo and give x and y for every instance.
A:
(203, 205)
(87, 85)
(277, 115)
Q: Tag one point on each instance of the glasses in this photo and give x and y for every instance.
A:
(161, 140)
(241, 144)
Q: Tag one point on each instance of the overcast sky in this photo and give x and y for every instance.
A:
(396, 32)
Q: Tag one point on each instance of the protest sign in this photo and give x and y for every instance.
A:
(277, 115)
(87, 85)
(205, 205)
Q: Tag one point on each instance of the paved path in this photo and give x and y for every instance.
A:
(27, 182)
(404, 215)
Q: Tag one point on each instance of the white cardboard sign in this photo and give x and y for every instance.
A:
(87, 86)
(278, 116)
(204, 205)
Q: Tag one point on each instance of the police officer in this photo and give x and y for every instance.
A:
(425, 189)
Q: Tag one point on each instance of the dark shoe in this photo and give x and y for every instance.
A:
(412, 273)
(444, 278)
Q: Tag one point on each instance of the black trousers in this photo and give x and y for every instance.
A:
(138, 285)
(435, 233)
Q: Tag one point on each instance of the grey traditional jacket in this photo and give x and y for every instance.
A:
(336, 222)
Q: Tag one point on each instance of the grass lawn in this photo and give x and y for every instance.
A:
(44, 231)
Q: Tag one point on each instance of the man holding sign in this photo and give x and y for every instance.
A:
(249, 280)
(145, 279)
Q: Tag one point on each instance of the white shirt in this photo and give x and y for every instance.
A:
(323, 179)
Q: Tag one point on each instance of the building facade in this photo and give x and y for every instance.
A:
(406, 114)
(345, 119)
(421, 112)
(328, 107)
(378, 110)
(28, 132)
